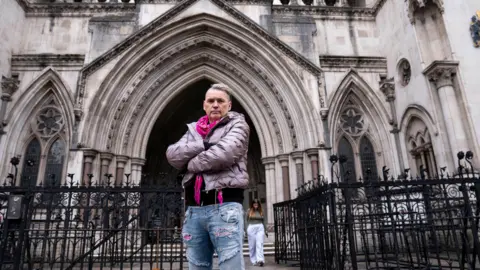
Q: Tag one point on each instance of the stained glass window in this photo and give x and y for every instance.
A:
(367, 159)
(345, 149)
(55, 159)
(31, 163)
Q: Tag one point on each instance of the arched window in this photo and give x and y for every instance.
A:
(367, 160)
(44, 157)
(31, 163)
(354, 130)
(54, 167)
(421, 148)
(345, 149)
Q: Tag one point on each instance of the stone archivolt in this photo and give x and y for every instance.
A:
(135, 86)
(156, 26)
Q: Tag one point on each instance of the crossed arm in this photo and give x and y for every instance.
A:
(228, 151)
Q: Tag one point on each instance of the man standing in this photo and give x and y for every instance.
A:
(214, 151)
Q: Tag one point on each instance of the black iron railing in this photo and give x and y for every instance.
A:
(72, 226)
(424, 223)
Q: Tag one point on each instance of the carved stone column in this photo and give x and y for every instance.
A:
(388, 88)
(137, 164)
(120, 171)
(88, 157)
(105, 159)
(313, 156)
(284, 163)
(9, 87)
(441, 74)
(269, 163)
(298, 158)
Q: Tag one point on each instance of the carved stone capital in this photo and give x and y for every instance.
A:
(78, 112)
(441, 73)
(388, 88)
(283, 158)
(89, 155)
(297, 156)
(138, 161)
(121, 161)
(413, 5)
(268, 160)
(9, 87)
(106, 156)
(324, 114)
(312, 153)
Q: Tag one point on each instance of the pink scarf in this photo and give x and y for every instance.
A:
(203, 127)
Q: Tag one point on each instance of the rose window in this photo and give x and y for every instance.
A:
(352, 122)
(48, 122)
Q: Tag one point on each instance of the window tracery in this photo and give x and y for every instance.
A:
(421, 150)
(44, 156)
(354, 143)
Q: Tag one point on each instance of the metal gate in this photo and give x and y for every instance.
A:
(91, 226)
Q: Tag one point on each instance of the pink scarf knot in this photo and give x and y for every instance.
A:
(203, 127)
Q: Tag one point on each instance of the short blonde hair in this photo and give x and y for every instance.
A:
(221, 87)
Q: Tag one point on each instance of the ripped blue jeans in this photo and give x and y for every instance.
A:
(216, 228)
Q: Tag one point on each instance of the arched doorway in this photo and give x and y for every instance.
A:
(171, 125)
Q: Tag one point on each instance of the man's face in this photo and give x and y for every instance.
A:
(216, 104)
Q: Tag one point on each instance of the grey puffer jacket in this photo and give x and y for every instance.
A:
(223, 165)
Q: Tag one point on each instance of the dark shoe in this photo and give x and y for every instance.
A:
(260, 264)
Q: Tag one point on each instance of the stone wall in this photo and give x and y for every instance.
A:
(11, 25)
(457, 18)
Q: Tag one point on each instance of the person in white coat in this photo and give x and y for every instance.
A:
(256, 232)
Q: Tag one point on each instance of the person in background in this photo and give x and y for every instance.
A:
(256, 231)
(214, 153)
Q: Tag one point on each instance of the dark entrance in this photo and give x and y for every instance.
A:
(171, 125)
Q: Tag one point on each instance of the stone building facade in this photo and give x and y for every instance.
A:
(102, 87)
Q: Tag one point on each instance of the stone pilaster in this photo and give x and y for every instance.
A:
(271, 186)
(88, 158)
(312, 154)
(105, 159)
(284, 164)
(120, 171)
(298, 158)
(441, 74)
(387, 86)
(9, 87)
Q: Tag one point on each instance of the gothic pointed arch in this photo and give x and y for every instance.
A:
(418, 127)
(357, 113)
(161, 65)
(40, 115)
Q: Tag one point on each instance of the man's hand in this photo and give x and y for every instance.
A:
(207, 145)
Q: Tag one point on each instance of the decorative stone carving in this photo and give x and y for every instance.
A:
(441, 72)
(324, 114)
(167, 16)
(49, 121)
(163, 80)
(343, 63)
(404, 72)
(9, 87)
(387, 86)
(413, 5)
(365, 14)
(475, 29)
(352, 121)
(83, 9)
(32, 62)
